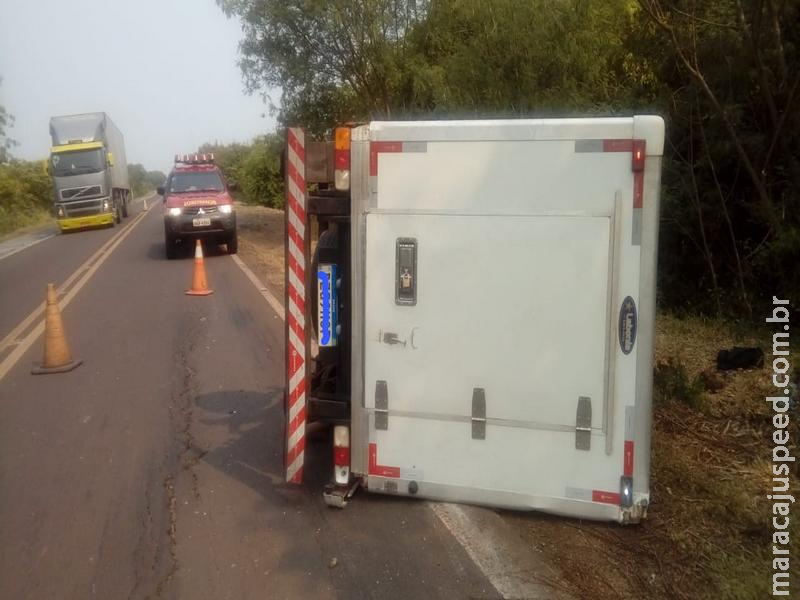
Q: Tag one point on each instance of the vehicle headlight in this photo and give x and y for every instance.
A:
(60, 211)
(105, 205)
(174, 212)
(226, 208)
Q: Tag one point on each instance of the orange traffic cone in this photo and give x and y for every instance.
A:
(199, 283)
(57, 357)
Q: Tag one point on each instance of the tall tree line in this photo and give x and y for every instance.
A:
(724, 74)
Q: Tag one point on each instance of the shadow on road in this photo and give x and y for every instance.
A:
(252, 449)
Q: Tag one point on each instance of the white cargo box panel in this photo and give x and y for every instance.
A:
(504, 300)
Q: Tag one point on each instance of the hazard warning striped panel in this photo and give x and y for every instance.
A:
(296, 253)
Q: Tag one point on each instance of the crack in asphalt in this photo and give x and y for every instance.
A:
(169, 488)
(185, 454)
(139, 553)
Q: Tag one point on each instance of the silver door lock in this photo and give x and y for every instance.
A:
(406, 272)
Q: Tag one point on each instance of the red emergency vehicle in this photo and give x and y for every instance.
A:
(197, 204)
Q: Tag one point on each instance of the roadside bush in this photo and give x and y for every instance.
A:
(260, 176)
(25, 194)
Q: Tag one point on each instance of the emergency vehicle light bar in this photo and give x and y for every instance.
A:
(195, 159)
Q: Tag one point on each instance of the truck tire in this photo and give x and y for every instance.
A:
(232, 243)
(117, 211)
(125, 205)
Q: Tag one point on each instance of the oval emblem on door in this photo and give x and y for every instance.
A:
(627, 325)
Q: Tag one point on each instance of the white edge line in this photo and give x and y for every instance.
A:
(25, 247)
(487, 550)
(276, 304)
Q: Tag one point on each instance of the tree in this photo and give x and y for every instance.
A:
(6, 121)
(334, 60)
(522, 58)
(142, 180)
(155, 179)
(735, 133)
(261, 179)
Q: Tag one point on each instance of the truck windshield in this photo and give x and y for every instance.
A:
(78, 163)
(196, 181)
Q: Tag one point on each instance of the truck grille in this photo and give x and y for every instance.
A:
(83, 208)
(81, 192)
(194, 210)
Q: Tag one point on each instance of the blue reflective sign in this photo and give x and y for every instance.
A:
(327, 300)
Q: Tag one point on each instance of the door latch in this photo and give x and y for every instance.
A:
(406, 272)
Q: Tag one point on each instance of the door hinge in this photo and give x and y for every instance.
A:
(381, 405)
(478, 414)
(583, 424)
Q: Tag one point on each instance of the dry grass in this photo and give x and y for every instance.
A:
(261, 243)
(14, 222)
(712, 466)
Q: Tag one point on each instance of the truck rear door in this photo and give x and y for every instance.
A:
(502, 264)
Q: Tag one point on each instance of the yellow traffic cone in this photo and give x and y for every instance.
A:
(199, 283)
(57, 357)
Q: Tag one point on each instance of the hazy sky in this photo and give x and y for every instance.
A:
(164, 70)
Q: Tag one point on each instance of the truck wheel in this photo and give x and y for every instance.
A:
(125, 206)
(232, 243)
(170, 247)
(117, 212)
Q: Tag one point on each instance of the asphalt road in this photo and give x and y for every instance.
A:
(154, 470)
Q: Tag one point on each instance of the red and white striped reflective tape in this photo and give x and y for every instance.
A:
(295, 304)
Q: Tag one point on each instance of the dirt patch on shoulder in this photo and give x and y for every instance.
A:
(261, 244)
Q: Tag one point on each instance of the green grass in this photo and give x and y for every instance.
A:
(11, 221)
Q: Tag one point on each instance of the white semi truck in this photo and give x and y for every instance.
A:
(89, 171)
(482, 298)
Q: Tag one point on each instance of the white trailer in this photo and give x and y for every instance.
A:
(497, 312)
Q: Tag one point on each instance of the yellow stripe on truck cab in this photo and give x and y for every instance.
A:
(73, 147)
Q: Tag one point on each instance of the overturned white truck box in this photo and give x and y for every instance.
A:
(483, 300)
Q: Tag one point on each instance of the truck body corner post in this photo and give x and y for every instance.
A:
(296, 256)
